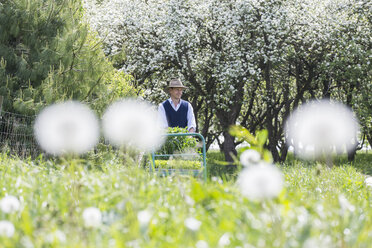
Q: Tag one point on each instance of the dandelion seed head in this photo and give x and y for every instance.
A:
(345, 204)
(250, 157)
(6, 228)
(92, 217)
(224, 240)
(68, 127)
(10, 204)
(192, 224)
(368, 181)
(57, 235)
(144, 217)
(133, 123)
(260, 182)
(321, 126)
(201, 244)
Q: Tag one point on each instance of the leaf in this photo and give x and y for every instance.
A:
(266, 155)
(243, 134)
(261, 137)
(197, 192)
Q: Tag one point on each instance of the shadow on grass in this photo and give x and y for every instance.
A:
(216, 167)
(362, 162)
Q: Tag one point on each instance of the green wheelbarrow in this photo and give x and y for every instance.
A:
(169, 171)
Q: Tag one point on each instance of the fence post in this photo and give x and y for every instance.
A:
(1, 105)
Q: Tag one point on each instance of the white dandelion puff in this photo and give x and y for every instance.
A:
(224, 240)
(345, 204)
(133, 123)
(6, 228)
(68, 127)
(10, 204)
(249, 157)
(144, 217)
(201, 244)
(192, 224)
(320, 127)
(368, 181)
(260, 182)
(56, 236)
(92, 217)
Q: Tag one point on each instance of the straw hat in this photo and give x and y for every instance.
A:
(176, 83)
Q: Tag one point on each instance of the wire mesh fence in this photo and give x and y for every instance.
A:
(16, 134)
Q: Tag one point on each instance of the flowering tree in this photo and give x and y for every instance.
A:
(247, 62)
(330, 53)
(218, 47)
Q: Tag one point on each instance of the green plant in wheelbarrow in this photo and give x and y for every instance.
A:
(178, 144)
(173, 163)
(179, 152)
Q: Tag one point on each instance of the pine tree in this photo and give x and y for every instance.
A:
(49, 54)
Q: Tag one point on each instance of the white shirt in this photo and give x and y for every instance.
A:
(190, 114)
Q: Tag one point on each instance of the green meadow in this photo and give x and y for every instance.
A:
(318, 206)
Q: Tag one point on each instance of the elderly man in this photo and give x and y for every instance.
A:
(175, 112)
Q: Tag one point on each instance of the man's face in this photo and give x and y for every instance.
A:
(175, 93)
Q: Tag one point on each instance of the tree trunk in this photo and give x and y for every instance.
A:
(369, 138)
(351, 155)
(270, 111)
(283, 153)
(272, 145)
(229, 147)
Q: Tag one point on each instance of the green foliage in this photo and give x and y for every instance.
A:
(256, 142)
(49, 54)
(319, 207)
(179, 164)
(217, 168)
(178, 144)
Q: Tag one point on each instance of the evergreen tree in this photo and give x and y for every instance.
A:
(49, 54)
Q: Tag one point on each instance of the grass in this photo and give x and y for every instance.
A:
(319, 207)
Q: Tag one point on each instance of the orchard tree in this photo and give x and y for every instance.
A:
(328, 56)
(246, 62)
(354, 66)
(218, 47)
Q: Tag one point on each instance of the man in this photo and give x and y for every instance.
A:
(175, 112)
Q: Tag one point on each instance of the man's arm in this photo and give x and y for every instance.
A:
(191, 124)
(162, 116)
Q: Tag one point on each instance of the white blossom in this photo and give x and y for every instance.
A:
(260, 182)
(192, 224)
(92, 217)
(6, 228)
(10, 204)
(133, 123)
(250, 157)
(321, 127)
(68, 127)
(216, 37)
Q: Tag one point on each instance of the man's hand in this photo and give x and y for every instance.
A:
(192, 130)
